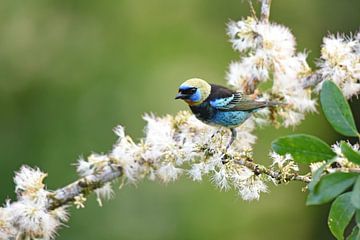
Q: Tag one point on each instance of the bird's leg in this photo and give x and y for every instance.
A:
(233, 137)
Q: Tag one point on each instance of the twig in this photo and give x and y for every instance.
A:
(252, 9)
(312, 81)
(260, 169)
(265, 10)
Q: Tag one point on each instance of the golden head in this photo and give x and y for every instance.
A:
(194, 91)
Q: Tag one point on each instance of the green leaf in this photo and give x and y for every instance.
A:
(337, 110)
(355, 234)
(318, 174)
(357, 216)
(341, 212)
(329, 187)
(303, 148)
(355, 196)
(350, 153)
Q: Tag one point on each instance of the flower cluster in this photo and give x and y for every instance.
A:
(180, 145)
(28, 217)
(340, 62)
(268, 54)
(284, 164)
(174, 142)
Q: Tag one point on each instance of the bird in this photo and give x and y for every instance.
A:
(217, 105)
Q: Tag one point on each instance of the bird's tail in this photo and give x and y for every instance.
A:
(252, 105)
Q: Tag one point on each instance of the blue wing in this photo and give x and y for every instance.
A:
(238, 102)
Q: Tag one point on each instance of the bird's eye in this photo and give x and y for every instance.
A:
(189, 91)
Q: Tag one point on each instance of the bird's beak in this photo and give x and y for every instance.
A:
(180, 96)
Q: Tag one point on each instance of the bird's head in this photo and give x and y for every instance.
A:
(194, 91)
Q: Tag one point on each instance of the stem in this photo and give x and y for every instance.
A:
(265, 10)
(252, 9)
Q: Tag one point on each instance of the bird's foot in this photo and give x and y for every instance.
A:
(232, 139)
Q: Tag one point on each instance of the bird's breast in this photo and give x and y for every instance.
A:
(203, 112)
(230, 118)
(212, 116)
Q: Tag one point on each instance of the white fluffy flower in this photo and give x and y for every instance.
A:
(196, 171)
(105, 192)
(251, 189)
(247, 34)
(270, 52)
(29, 179)
(284, 162)
(340, 63)
(168, 172)
(280, 160)
(159, 136)
(126, 152)
(7, 230)
(84, 168)
(277, 40)
(242, 34)
(33, 220)
(220, 178)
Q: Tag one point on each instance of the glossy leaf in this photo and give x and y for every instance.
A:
(349, 153)
(355, 197)
(337, 110)
(329, 187)
(357, 216)
(303, 148)
(341, 212)
(355, 234)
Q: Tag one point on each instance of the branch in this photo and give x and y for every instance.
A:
(88, 184)
(84, 186)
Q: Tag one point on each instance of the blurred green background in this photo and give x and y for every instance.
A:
(71, 70)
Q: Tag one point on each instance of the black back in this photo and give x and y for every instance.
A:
(218, 91)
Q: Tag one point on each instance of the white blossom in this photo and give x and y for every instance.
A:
(196, 171)
(251, 189)
(84, 168)
(29, 216)
(104, 193)
(127, 154)
(340, 63)
(271, 53)
(7, 230)
(220, 178)
(29, 179)
(168, 172)
(284, 163)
